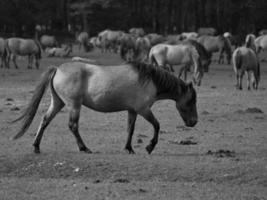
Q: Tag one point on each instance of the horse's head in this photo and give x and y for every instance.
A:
(186, 105)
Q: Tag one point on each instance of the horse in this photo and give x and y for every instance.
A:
(109, 40)
(189, 35)
(137, 32)
(261, 43)
(24, 47)
(48, 41)
(164, 55)
(126, 45)
(245, 60)
(59, 52)
(132, 87)
(82, 39)
(250, 42)
(263, 32)
(142, 47)
(3, 53)
(173, 39)
(206, 31)
(155, 38)
(215, 44)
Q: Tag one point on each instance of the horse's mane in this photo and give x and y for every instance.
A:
(200, 48)
(164, 80)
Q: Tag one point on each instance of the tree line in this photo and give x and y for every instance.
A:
(19, 17)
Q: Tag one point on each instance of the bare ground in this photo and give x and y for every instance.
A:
(223, 157)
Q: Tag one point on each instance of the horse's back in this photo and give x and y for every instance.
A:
(22, 46)
(102, 88)
(247, 57)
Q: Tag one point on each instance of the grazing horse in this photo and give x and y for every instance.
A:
(206, 31)
(246, 60)
(48, 41)
(132, 87)
(3, 52)
(180, 56)
(215, 44)
(82, 39)
(137, 32)
(261, 43)
(109, 40)
(24, 47)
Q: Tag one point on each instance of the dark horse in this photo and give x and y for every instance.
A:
(133, 87)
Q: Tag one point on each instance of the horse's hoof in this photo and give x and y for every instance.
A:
(149, 148)
(37, 150)
(86, 150)
(129, 150)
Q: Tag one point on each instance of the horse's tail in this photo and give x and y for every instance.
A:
(33, 105)
(237, 60)
(39, 53)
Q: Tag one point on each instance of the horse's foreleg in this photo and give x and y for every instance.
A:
(14, 61)
(148, 115)
(30, 58)
(55, 106)
(74, 127)
(131, 123)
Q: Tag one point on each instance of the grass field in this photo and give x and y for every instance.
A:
(227, 160)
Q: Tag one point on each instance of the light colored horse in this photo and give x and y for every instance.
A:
(128, 87)
(24, 47)
(261, 43)
(177, 57)
(245, 60)
(82, 39)
(250, 42)
(206, 31)
(137, 32)
(59, 51)
(3, 53)
(48, 41)
(95, 42)
(189, 35)
(217, 44)
(109, 40)
(142, 47)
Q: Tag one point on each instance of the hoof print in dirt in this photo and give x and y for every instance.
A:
(213, 87)
(121, 180)
(187, 141)
(221, 153)
(15, 108)
(253, 110)
(97, 181)
(9, 99)
(205, 112)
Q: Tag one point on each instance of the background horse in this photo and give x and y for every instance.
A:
(217, 44)
(206, 31)
(109, 40)
(261, 43)
(24, 47)
(250, 42)
(82, 40)
(48, 41)
(137, 32)
(245, 60)
(177, 57)
(130, 87)
(3, 52)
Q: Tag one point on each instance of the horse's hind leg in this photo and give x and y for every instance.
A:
(74, 126)
(148, 115)
(55, 106)
(131, 123)
(248, 79)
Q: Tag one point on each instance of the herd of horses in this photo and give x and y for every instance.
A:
(150, 74)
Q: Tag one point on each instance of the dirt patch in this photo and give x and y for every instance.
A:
(222, 153)
(252, 110)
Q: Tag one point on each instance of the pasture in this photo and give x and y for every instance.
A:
(222, 157)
